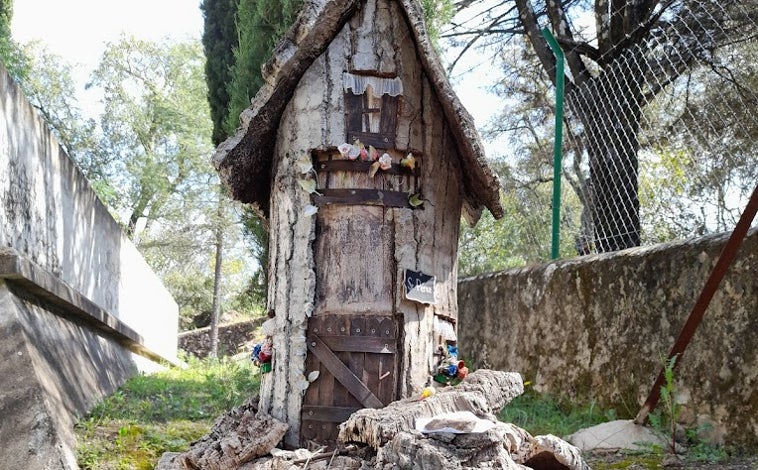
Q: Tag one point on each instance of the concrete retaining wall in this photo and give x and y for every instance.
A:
(598, 328)
(50, 215)
(80, 310)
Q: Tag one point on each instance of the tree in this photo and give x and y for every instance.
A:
(11, 55)
(606, 81)
(238, 39)
(219, 34)
(437, 14)
(50, 88)
(260, 25)
(157, 127)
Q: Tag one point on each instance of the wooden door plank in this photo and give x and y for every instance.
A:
(357, 333)
(388, 120)
(353, 112)
(371, 371)
(387, 198)
(387, 362)
(342, 329)
(331, 414)
(358, 344)
(312, 364)
(342, 373)
(328, 382)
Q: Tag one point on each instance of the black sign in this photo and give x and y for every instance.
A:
(419, 287)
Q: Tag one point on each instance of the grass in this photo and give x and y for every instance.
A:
(161, 412)
(166, 411)
(542, 414)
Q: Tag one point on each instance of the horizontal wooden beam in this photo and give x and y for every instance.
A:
(377, 197)
(364, 344)
(329, 414)
(361, 166)
(380, 141)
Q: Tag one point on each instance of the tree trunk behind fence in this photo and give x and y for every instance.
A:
(610, 108)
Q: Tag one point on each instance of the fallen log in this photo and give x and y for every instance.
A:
(237, 437)
(454, 429)
(483, 393)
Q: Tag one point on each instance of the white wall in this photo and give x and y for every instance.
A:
(49, 214)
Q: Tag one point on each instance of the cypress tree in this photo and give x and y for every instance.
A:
(260, 25)
(219, 42)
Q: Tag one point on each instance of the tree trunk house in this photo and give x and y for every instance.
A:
(352, 238)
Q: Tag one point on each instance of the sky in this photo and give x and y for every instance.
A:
(78, 30)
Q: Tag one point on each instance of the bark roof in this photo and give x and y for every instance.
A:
(244, 160)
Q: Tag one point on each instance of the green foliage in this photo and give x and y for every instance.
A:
(632, 461)
(6, 14)
(50, 88)
(157, 128)
(670, 406)
(256, 234)
(700, 451)
(523, 235)
(193, 292)
(162, 412)
(437, 13)
(233, 81)
(10, 54)
(219, 36)
(260, 25)
(543, 414)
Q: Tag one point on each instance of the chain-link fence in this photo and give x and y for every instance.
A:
(663, 142)
(660, 137)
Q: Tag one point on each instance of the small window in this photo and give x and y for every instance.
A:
(371, 106)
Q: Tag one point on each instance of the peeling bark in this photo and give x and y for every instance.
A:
(237, 437)
(483, 393)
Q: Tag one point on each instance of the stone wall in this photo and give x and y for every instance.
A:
(233, 338)
(50, 216)
(599, 328)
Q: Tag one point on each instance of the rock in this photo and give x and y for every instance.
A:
(618, 434)
(553, 452)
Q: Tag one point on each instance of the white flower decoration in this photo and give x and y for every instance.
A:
(385, 162)
(344, 149)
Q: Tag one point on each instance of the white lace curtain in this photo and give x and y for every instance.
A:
(379, 85)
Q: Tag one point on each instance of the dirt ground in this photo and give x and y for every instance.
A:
(616, 460)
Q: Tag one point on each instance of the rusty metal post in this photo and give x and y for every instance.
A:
(696, 315)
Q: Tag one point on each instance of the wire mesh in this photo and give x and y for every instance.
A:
(663, 135)
(661, 126)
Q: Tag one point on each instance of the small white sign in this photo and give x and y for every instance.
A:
(419, 287)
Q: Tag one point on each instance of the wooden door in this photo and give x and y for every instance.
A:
(352, 336)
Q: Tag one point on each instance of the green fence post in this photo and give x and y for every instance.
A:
(557, 144)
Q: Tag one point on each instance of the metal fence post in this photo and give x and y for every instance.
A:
(557, 144)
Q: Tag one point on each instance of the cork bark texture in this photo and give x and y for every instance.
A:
(599, 327)
(360, 268)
